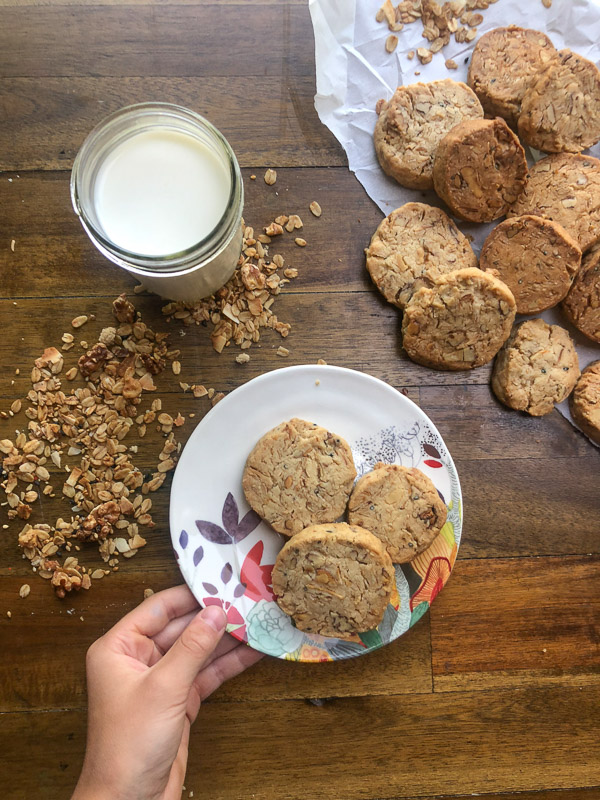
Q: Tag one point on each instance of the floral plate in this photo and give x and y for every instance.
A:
(226, 552)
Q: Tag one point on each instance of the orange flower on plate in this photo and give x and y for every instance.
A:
(437, 575)
(309, 652)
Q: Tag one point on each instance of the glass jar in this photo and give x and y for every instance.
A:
(158, 190)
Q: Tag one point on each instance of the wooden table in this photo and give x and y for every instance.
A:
(496, 691)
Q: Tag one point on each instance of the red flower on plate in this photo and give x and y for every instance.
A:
(257, 578)
(436, 576)
(233, 615)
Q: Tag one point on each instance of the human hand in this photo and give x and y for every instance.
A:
(146, 679)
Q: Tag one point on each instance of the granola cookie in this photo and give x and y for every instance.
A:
(298, 474)
(503, 66)
(536, 258)
(401, 506)
(585, 401)
(536, 368)
(480, 169)
(560, 112)
(412, 246)
(582, 304)
(411, 125)
(334, 580)
(564, 188)
(459, 323)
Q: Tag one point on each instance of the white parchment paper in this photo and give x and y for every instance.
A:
(354, 71)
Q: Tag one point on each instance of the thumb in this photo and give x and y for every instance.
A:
(194, 647)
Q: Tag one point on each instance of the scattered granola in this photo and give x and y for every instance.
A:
(270, 177)
(315, 208)
(24, 590)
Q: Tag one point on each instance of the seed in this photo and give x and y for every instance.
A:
(79, 321)
(270, 177)
(300, 242)
(315, 208)
(24, 590)
(176, 367)
(391, 43)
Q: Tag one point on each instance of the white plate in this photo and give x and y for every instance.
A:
(226, 552)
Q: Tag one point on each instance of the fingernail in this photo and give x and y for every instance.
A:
(215, 617)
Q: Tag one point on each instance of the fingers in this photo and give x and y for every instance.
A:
(155, 613)
(172, 631)
(193, 649)
(227, 666)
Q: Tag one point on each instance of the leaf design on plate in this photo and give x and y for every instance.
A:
(431, 451)
(210, 588)
(226, 573)
(246, 526)
(239, 590)
(198, 555)
(214, 533)
(441, 496)
(433, 464)
(183, 539)
(230, 515)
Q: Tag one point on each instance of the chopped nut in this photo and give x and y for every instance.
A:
(283, 351)
(176, 367)
(24, 590)
(270, 177)
(242, 358)
(123, 310)
(315, 208)
(79, 321)
(391, 43)
(300, 242)
(451, 64)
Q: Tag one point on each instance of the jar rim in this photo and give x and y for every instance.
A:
(184, 259)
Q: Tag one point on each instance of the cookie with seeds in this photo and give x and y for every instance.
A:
(582, 305)
(536, 368)
(401, 506)
(335, 580)
(536, 258)
(479, 169)
(585, 401)
(413, 246)
(566, 189)
(504, 64)
(298, 474)
(413, 122)
(560, 112)
(459, 323)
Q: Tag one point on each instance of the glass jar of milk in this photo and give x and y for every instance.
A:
(159, 192)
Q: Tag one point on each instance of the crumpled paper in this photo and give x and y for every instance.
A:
(354, 71)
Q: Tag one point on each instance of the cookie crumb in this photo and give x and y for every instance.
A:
(410, 55)
(322, 361)
(451, 64)
(242, 358)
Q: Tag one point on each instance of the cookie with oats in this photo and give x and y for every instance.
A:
(585, 401)
(536, 258)
(298, 474)
(560, 112)
(413, 246)
(401, 506)
(413, 122)
(479, 169)
(566, 189)
(582, 305)
(334, 580)
(536, 368)
(504, 64)
(459, 323)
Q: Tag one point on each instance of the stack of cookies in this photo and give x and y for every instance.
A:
(458, 314)
(336, 578)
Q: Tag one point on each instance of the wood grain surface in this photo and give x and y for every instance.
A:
(495, 692)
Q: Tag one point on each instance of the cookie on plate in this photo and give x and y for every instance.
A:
(536, 258)
(412, 246)
(459, 323)
(582, 304)
(536, 368)
(412, 123)
(298, 474)
(564, 188)
(401, 506)
(560, 112)
(503, 66)
(334, 580)
(480, 169)
(585, 401)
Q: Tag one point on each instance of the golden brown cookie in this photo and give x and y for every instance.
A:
(536, 368)
(411, 125)
(459, 323)
(334, 580)
(535, 257)
(560, 112)
(479, 169)
(585, 401)
(401, 506)
(564, 188)
(582, 304)
(503, 66)
(412, 246)
(298, 474)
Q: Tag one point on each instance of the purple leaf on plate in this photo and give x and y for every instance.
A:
(431, 451)
(441, 496)
(210, 588)
(198, 555)
(214, 533)
(183, 539)
(230, 515)
(239, 590)
(226, 573)
(246, 526)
